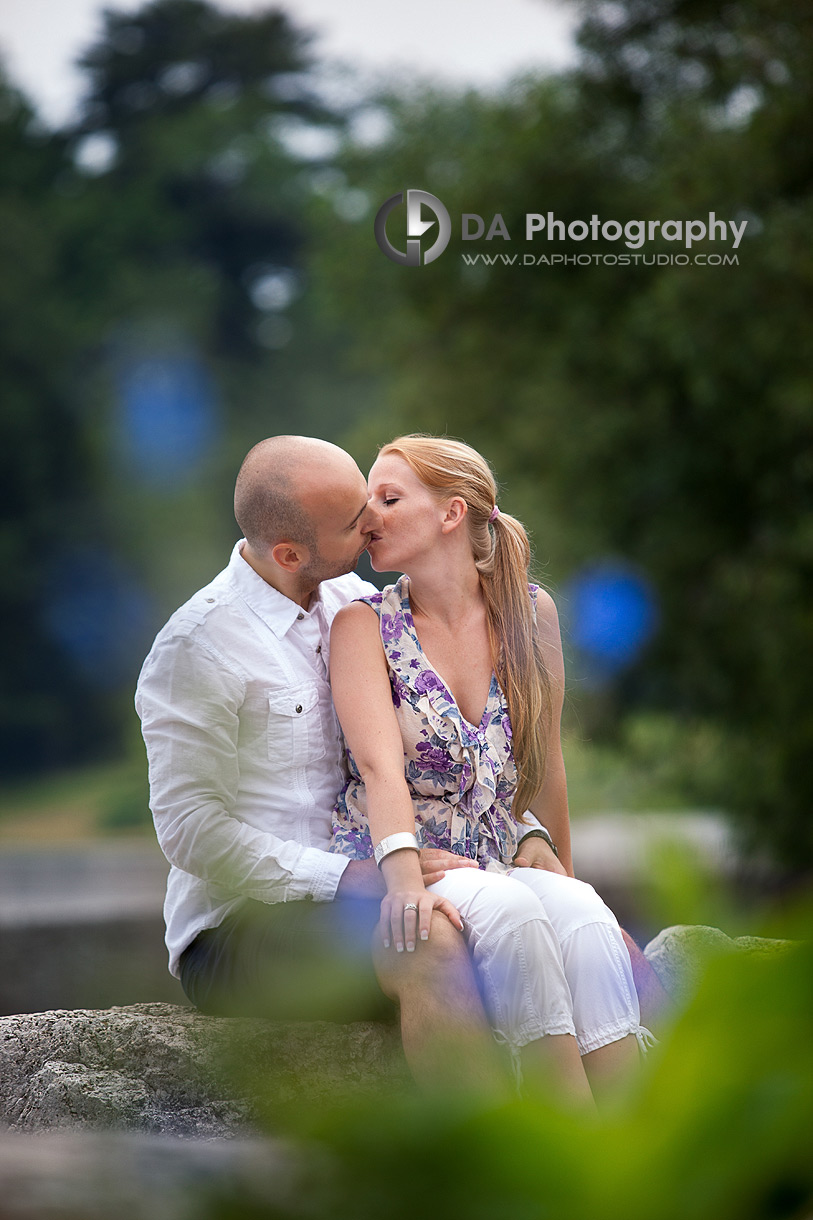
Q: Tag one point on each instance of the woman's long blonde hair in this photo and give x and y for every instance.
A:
(502, 555)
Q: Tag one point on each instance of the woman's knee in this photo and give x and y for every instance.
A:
(570, 904)
(585, 906)
(498, 906)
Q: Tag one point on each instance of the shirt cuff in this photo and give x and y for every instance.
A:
(317, 875)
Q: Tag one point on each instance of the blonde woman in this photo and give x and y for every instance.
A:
(449, 688)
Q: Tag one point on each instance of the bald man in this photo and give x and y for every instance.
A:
(246, 759)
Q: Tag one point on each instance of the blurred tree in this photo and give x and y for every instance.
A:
(186, 259)
(162, 310)
(155, 323)
(45, 712)
(718, 103)
(658, 413)
(192, 107)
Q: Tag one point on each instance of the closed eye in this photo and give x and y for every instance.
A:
(394, 500)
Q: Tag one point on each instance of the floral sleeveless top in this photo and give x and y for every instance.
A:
(461, 776)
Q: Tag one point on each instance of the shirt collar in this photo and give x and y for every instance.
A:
(276, 610)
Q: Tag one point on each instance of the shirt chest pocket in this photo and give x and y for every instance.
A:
(295, 734)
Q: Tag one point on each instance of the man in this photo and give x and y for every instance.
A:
(245, 759)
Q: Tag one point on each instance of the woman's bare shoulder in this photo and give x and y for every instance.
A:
(356, 618)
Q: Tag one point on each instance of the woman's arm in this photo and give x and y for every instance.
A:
(550, 802)
(363, 700)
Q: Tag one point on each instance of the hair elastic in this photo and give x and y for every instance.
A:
(494, 514)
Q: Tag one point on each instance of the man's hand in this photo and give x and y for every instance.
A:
(435, 863)
(537, 853)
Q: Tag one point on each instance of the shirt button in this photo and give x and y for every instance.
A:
(210, 600)
(318, 647)
(300, 617)
(299, 707)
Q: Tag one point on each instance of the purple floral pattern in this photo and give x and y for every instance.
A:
(461, 777)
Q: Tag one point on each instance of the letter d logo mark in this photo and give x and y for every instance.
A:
(416, 227)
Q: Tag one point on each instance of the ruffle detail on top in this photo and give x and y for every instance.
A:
(461, 777)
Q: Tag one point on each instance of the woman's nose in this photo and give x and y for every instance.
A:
(371, 519)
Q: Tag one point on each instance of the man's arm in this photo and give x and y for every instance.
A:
(189, 700)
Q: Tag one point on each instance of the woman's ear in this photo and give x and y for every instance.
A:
(455, 512)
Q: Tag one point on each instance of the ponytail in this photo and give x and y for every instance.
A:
(502, 556)
(518, 660)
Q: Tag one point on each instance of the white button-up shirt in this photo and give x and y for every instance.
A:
(245, 751)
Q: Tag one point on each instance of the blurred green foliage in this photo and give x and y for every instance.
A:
(81, 803)
(661, 414)
(210, 212)
(653, 763)
(154, 246)
(717, 1128)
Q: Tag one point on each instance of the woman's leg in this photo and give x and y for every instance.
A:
(598, 970)
(518, 960)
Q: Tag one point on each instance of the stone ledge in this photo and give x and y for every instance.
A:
(680, 955)
(165, 1068)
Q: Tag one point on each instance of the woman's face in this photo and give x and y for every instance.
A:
(410, 515)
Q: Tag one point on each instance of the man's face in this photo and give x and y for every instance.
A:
(343, 520)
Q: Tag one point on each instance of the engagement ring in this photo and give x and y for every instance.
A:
(410, 906)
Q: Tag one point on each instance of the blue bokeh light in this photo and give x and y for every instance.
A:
(167, 418)
(99, 615)
(612, 614)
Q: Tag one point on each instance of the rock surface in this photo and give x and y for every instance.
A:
(679, 955)
(165, 1068)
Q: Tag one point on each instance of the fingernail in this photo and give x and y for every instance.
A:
(386, 944)
(399, 947)
(411, 946)
(424, 935)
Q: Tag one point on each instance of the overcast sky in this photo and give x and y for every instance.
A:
(480, 42)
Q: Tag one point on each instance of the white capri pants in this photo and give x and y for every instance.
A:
(549, 954)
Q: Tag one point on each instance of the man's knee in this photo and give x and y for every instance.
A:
(442, 961)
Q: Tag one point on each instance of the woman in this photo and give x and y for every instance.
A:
(449, 688)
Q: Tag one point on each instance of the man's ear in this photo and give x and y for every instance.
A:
(290, 556)
(455, 512)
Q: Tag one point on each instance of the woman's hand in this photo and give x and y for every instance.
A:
(536, 853)
(406, 910)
